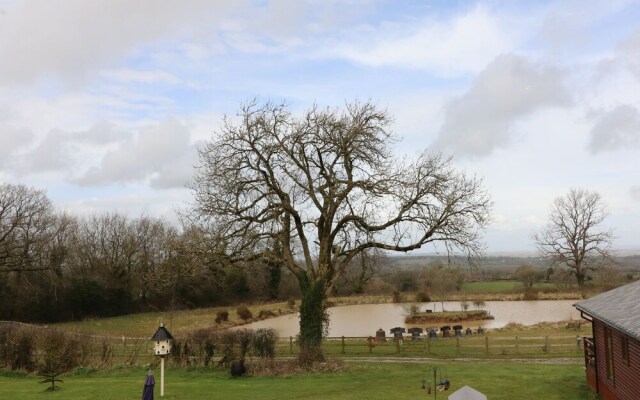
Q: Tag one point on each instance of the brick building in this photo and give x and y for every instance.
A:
(612, 354)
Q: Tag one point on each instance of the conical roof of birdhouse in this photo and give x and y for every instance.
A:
(161, 334)
(467, 393)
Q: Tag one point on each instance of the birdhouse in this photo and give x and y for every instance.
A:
(161, 341)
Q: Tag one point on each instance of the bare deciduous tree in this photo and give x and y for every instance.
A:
(326, 187)
(363, 268)
(573, 237)
(28, 227)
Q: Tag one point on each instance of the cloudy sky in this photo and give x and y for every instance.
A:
(103, 103)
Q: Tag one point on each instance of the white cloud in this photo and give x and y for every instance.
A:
(616, 129)
(65, 151)
(12, 139)
(464, 43)
(66, 38)
(509, 88)
(635, 192)
(160, 155)
(138, 76)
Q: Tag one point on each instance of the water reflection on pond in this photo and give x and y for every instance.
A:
(365, 319)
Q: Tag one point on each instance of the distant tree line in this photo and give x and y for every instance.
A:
(55, 266)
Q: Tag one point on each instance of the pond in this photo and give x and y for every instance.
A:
(364, 319)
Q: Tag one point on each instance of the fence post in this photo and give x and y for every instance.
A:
(342, 344)
(457, 346)
(427, 344)
(486, 345)
(291, 344)
(517, 346)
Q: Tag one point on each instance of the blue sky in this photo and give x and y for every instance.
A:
(103, 103)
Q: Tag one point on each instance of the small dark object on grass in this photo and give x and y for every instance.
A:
(237, 369)
(51, 379)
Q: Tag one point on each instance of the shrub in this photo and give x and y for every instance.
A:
(17, 346)
(530, 294)
(411, 309)
(422, 297)
(479, 304)
(222, 316)
(202, 345)
(106, 352)
(291, 303)
(266, 314)
(227, 340)
(244, 313)
(264, 343)
(245, 338)
(396, 297)
(60, 354)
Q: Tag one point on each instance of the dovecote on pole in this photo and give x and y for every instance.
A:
(162, 341)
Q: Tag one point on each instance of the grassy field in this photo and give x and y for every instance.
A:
(384, 381)
(500, 287)
(144, 324)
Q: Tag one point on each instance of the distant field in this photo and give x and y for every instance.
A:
(500, 286)
(145, 324)
(379, 381)
(491, 287)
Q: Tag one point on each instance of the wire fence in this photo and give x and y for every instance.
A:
(103, 351)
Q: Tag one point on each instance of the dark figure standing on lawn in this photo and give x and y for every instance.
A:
(147, 392)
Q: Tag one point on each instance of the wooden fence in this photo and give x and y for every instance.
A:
(107, 351)
(477, 346)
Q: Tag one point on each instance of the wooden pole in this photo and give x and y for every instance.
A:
(162, 376)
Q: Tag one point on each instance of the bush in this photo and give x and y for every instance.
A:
(291, 303)
(244, 313)
(17, 346)
(222, 316)
(396, 297)
(60, 353)
(530, 294)
(201, 346)
(266, 314)
(422, 297)
(264, 343)
(227, 340)
(245, 338)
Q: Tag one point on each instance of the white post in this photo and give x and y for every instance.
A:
(162, 376)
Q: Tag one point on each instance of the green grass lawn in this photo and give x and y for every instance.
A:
(384, 381)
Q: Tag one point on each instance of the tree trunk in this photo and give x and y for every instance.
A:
(313, 319)
(580, 276)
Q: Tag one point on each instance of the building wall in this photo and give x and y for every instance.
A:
(625, 382)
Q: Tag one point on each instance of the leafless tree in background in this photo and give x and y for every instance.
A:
(326, 187)
(28, 229)
(573, 237)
